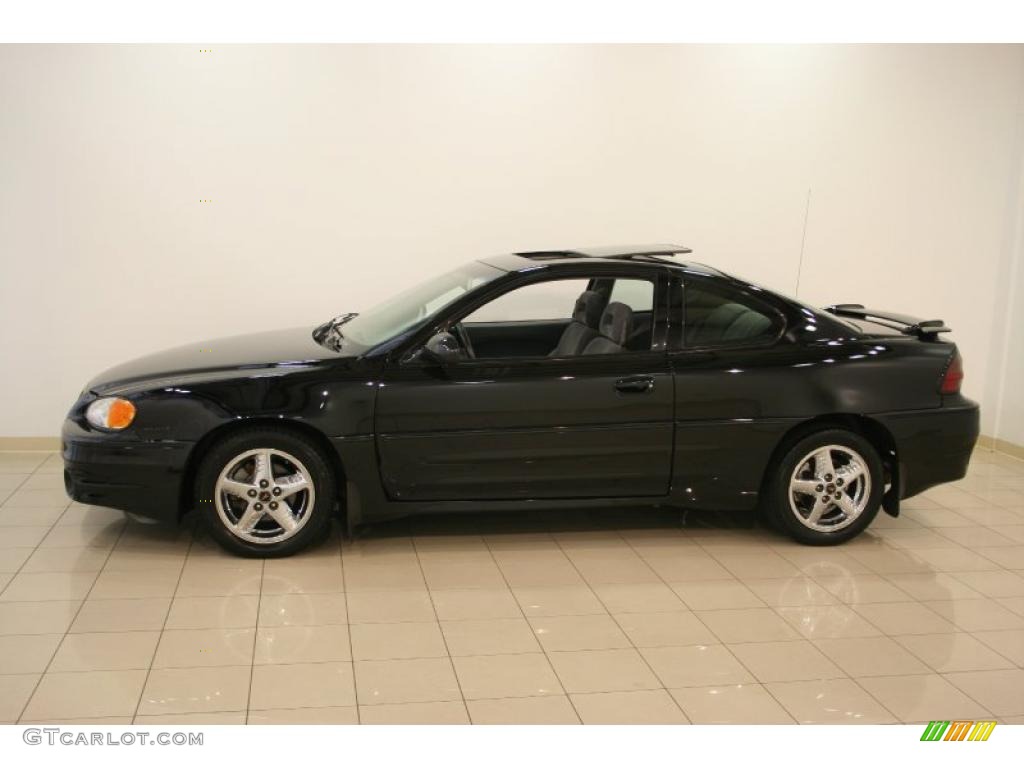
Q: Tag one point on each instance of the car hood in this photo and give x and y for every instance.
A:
(272, 352)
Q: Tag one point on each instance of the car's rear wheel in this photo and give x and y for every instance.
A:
(827, 487)
(265, 493)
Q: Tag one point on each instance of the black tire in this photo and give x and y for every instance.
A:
(778, 504)
(316, 517)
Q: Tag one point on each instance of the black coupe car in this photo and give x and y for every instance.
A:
(583, 378)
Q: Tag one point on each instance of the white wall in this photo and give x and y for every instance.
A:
(1008, 381)
(340, 174)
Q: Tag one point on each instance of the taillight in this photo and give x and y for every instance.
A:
(953, 376)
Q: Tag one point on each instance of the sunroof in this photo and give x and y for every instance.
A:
(650, 252)
(548, 255)
(626, 251)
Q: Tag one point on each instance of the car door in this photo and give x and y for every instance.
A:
(530, 426)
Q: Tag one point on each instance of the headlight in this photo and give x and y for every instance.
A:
(110, 413)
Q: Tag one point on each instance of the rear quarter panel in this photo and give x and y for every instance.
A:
(734, 407)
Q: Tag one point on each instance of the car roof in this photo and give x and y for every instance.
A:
(659, 253)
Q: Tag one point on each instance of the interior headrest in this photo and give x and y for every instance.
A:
(589, 307)
(616, 322)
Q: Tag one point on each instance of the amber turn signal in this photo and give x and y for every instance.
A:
(110, 413)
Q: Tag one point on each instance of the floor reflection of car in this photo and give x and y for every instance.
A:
(585, 378)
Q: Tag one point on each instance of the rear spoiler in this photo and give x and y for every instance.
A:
(926, 330)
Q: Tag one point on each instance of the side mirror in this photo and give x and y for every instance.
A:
(442, 348)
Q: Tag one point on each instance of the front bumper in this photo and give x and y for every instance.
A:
(140, 476)
(933, 446)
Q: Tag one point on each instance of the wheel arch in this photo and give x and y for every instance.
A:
(211, 438)
(870, 429)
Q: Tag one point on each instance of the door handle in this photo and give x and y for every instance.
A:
(635, 384)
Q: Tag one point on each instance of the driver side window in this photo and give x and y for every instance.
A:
(549, 300)
(563, 318)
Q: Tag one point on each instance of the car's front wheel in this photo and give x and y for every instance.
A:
(265, 493)
(827, 487)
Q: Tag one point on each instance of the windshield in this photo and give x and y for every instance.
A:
(411, 307)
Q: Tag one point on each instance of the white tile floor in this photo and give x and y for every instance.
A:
(559, 618)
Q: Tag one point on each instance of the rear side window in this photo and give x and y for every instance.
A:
(718, 316)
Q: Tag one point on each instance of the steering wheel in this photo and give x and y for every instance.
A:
(464, 338)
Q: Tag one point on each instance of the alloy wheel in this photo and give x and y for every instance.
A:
(264, 495)
(830, 488)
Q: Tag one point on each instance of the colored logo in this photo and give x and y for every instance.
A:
(958, 730)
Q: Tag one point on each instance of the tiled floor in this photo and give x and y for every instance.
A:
(556, 618)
